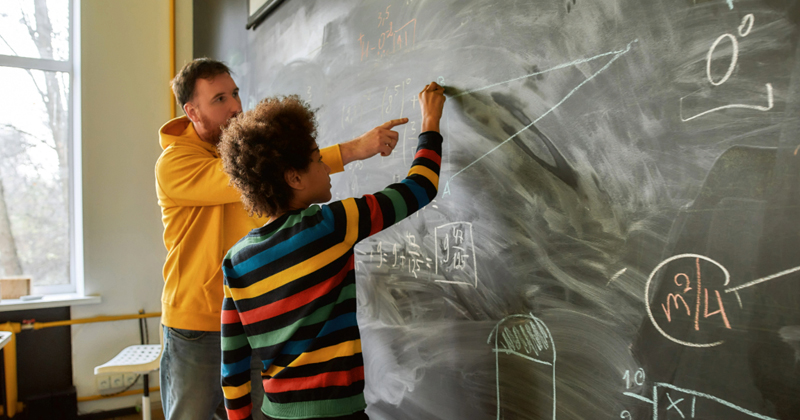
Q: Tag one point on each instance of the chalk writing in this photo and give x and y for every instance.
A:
(638, 378)
(675, 300)
(684, 281)
(689, 404)
(734, 58)
(394, 101)
(407, 256)
(529, 339)
(455, 253)
(743, 30)
(390, 40)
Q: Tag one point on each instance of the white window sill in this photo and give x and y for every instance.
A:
(48, 301)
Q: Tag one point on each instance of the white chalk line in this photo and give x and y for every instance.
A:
(558, 67)
(454, 282)
(617, 274)
(763, 279)
(770, 103)
(675, 404)
(515, 353)
(572, 92)
(639, 397)
(712, 398)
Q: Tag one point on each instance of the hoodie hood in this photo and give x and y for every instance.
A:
(181, 130)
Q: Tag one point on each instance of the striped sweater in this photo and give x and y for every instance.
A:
(290, 296)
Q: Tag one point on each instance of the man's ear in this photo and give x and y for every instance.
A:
(294, 179)
(190, 111)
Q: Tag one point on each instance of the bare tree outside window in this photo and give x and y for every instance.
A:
(34, 141)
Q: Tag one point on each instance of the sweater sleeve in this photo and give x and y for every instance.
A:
(190, 178)
(332, 156)
(236, 353)
(383, 209)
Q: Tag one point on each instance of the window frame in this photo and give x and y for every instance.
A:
(75, 217)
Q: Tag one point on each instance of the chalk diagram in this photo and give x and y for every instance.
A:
(689, 404)
(615, 55)
(743, 30)
(692, 284)
(528, 337)
(455, 253)
(681, 402)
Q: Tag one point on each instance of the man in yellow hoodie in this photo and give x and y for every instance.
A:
(203, 217)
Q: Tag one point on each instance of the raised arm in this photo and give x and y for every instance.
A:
(375, 212)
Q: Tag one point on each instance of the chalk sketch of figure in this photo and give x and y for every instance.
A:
(525, 362)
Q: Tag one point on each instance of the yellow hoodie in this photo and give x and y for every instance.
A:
(203, 217)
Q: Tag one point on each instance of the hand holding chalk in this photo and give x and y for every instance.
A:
(431, 102)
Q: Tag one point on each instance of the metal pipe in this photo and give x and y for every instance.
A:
(40, 325)
(171, 55)
(10, 364)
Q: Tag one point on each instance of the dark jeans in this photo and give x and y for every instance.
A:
(190, 375)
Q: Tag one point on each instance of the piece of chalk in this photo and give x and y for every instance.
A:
(29, 297)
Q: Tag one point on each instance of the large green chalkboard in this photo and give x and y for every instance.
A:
(616, 233)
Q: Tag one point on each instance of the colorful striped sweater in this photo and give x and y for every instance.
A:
(290, 296)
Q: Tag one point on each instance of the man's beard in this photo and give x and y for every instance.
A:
(215, 130)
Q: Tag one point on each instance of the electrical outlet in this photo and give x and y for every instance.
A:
(130, 378)
(103, 382)
(117, 380)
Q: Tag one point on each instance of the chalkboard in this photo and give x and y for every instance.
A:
(617, 230)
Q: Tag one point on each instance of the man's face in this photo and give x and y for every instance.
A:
(216, 101)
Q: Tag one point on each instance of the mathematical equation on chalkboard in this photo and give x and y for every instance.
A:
(391, 38)
(452, 260)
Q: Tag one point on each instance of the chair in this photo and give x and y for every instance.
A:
(140, 359)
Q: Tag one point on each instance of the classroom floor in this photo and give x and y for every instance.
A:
(157, 415)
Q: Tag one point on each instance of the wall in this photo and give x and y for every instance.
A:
(125, 63)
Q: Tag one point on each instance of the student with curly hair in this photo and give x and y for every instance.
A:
(203, 217)
(290, 284)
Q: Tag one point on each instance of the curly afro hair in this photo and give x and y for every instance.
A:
(260, 145)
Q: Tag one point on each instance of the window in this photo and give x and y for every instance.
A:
(39, 207)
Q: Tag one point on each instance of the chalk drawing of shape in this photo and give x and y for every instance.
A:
(697, 105)
(672, 402)
(525, 365)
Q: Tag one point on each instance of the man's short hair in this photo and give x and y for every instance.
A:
(260, 145)
(185, 81)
